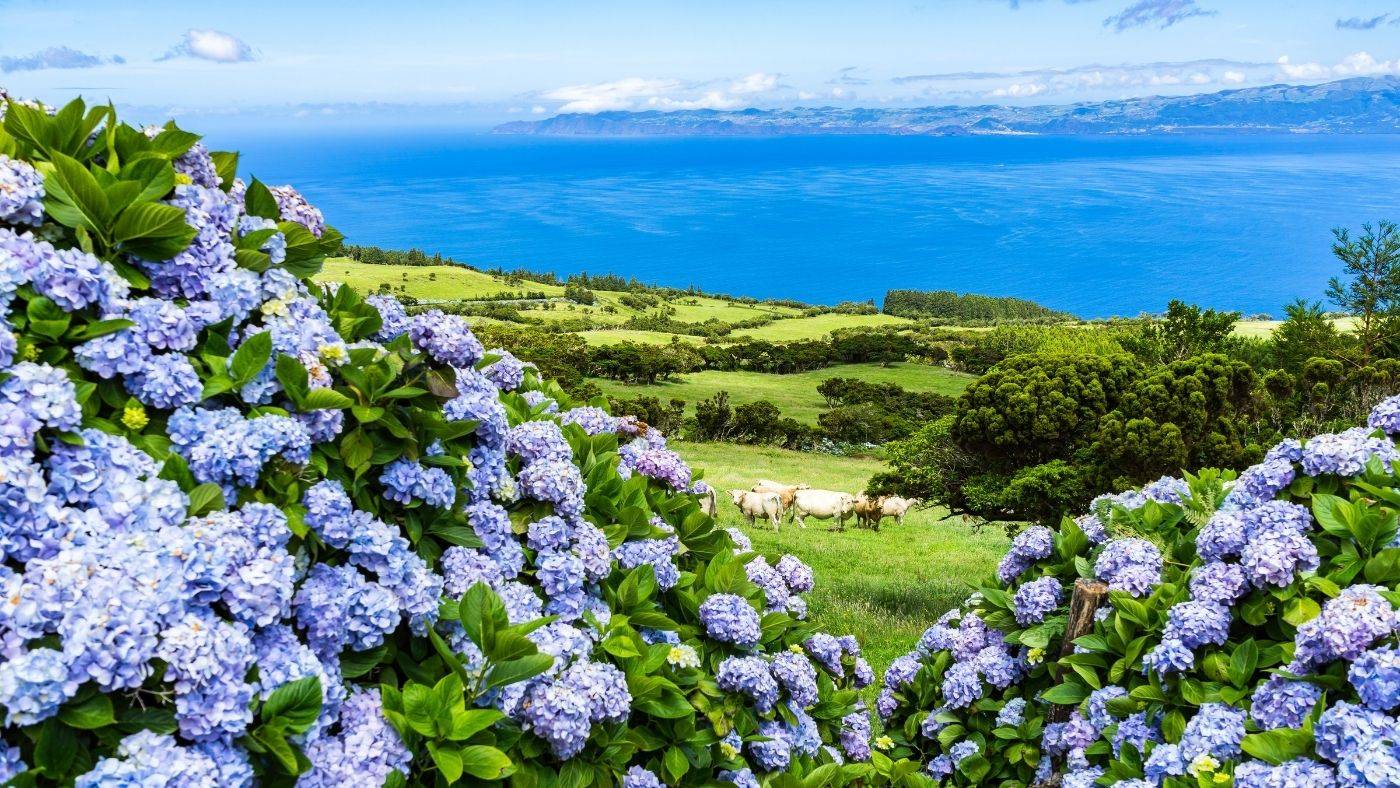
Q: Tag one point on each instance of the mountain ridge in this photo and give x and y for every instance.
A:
(1359, 105)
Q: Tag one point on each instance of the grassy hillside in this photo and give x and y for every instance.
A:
(431, 282)
(889, 585)
(1263, 328)
(817, 327)
(796, 394)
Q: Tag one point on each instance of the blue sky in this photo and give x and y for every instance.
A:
(489, 60)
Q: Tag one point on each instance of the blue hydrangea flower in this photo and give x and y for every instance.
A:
(1169, 656)
(798, 677)
(1283, 703)
(166, 381)
(1346, 453)
(1216, 730)
(294, 208)
(43, 392)
(1036, 599)
(1196, 624)
(1376, 677)
(855, 736)
(775, 754)
(507, 371)
(640, 777)
(730, 619)
(1013, 713)
(1346, 627)
(1386, 416)
(32, 686)
(593, 420)
(1027, 547)
(446, 338)
(1345, 727)
(21, 193)
(1099, 715)
(366, 750)
(1132, 565)
(1375, 763)
(1218, 583)
(749, 676)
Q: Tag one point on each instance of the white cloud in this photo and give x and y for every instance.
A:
(214, 45)
(1019, 90)
(538, 109)
(636, 93)
(1233, 77)
(1359, 64)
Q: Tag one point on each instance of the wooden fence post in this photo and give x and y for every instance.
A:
(1088, 596)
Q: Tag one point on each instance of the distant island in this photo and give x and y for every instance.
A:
(1362, 105)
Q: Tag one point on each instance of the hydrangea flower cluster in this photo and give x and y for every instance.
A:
(1265, 595)
(193, 533)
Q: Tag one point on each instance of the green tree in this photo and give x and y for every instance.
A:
(1306, 333)
(1370, 285)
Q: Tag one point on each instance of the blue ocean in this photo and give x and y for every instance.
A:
(1097, 226)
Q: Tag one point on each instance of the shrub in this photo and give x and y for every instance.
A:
(1248, 632)
(579, 294)
(252, 528)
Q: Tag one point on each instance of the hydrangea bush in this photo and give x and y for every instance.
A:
(255, 530)
(1248, 637)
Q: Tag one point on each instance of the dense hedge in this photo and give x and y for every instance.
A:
(965, 307)
(1249, 634)
(258, 530)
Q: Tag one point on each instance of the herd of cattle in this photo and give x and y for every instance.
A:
(772, 501)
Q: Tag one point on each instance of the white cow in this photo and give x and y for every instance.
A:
(754, 505)
(896, 507)
(823, 505)
(785, 492)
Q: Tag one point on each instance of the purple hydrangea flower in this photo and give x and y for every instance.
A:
(1027, 547)
(295, 208)
(1345, 727)
(1218, 583)
(1376, 677)
(1386, 416)
(1036, 599)
(1216, 730)
(749, 676)
(1346, 453)
(1132, 565)
(1283, 703)
(1346, 627)
(1196, 624)
(446, 338)
(21, 193)
(730, 619)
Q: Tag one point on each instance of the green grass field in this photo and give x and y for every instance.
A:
(431, 282)
(795, 395)
(889, 585)
(817, 327)
(1263, 328)
(612, 336)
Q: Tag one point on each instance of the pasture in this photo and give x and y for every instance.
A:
(888, 585)
(795, 394)
(817, 326)
(434, 282)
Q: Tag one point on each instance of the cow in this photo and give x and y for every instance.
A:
(785, 493)
(823, 505)
(896, 507)
(868, 511)
(754, 505)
